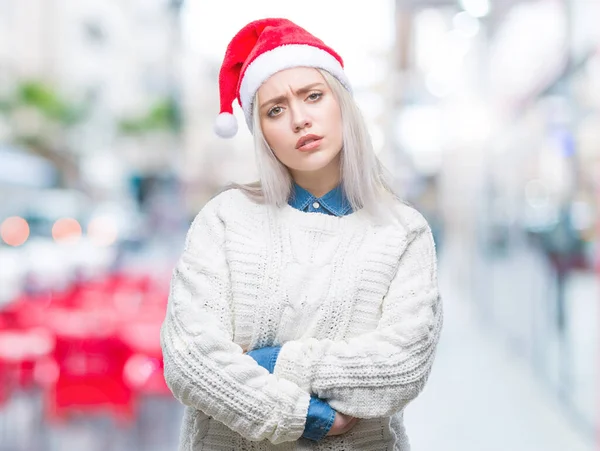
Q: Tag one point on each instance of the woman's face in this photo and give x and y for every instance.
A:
(301, 120)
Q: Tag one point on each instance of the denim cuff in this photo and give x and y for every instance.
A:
(266, 357)
(274, 356)
(319, 419)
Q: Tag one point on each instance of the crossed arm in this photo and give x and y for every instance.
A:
(378, 373)
(370, 376)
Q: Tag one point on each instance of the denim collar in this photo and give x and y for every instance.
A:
(335, 201)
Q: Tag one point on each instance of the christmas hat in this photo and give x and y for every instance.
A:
(259, 50)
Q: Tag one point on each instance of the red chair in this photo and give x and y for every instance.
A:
(144, 369)
(90, 362)
(5, 388)
(4, 371)
(144, 374)
(20, 352)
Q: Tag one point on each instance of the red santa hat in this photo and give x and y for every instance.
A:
(259, 50)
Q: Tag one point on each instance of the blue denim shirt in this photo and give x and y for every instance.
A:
(320, 417)
(333, 203)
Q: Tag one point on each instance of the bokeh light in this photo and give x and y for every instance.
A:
(14, 231)
(102, 231)
(66, 230)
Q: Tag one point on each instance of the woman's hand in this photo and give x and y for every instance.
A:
(342, 424)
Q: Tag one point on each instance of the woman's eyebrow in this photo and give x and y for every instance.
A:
(280, 99)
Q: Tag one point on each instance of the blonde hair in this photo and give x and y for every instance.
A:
(364, 180)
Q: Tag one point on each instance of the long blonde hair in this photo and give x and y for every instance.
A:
(364, 179)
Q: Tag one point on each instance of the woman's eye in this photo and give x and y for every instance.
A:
(314, 96)
(274, 111)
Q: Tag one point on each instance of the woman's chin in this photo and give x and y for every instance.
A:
(310, 167)
(313, 161)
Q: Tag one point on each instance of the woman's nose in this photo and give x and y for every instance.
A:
(300, 120)
(300, 126)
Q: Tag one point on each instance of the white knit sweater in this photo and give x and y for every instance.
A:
(354, 305)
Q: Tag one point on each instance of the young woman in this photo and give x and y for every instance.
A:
(304, 312)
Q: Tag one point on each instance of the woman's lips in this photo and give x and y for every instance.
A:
(311, 145)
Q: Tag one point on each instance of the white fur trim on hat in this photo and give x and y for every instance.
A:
(226, 125)
(280, 58)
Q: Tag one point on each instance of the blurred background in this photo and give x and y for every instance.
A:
(487, 113)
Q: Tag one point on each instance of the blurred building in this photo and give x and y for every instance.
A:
(498, 115)
(89, 108)
(117, 62)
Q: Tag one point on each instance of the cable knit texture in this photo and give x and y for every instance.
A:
(354, 305)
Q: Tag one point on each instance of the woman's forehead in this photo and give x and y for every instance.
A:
(295, 78)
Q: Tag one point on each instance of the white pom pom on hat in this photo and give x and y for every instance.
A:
(226, 125)
(259, 50)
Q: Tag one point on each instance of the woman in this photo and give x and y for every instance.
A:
(304, 312)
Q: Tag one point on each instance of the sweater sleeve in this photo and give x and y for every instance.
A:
(320, 416)
(378, 373)
(203, 367)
